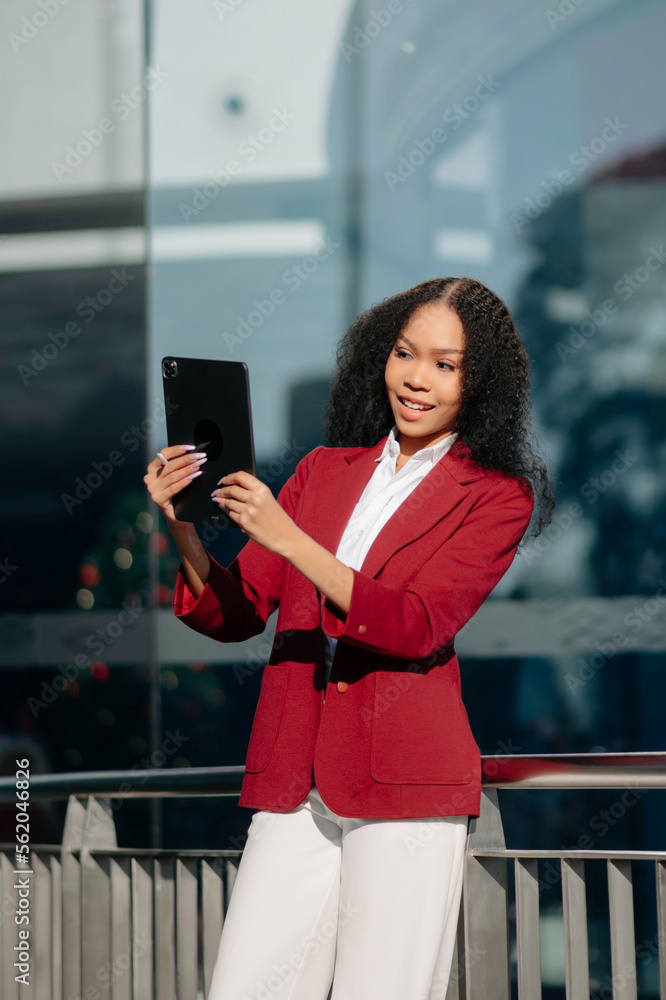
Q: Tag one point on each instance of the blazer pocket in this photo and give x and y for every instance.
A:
(267, 717)
(420, 733)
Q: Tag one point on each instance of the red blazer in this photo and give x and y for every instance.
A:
(390, 737)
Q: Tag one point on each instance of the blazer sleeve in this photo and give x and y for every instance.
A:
(413, 622)
(237, 600)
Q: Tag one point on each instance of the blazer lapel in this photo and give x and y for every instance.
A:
(431, 500)
(440, 490)
(343, 486)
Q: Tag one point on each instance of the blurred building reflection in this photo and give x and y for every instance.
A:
(280, 168)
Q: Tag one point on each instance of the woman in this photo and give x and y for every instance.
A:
(377, 551)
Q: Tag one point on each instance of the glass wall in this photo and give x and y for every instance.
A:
(75, 528)
(308, 160)
(281, 167)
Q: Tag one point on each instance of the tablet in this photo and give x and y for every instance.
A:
(207, 404)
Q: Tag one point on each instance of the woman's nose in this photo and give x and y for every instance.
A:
(416, 377)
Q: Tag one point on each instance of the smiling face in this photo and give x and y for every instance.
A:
(423, 376)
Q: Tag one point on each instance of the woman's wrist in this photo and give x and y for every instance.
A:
(183, 531)
(330, 576)
(194, 557)
(291, 544)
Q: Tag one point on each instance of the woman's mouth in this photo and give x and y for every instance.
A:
(413, 408)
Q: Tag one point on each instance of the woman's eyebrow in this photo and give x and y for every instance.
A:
(435, 350)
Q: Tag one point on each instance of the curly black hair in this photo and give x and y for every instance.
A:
(494, 415)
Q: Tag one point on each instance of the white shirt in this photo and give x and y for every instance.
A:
(384, 492)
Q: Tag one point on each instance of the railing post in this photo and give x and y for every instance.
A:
(528, 943)
(186, 927)
(44, 933)
(96, 959)
(574, 909)
(622, 933)
(143, 924)
(487, 973)
(660, 878)
(121, 929)
(164, 889)
(212, 913)
(71, 897)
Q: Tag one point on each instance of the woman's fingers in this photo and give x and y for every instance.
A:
(170, 471)
(171, 478)
(179, 467)
(177, 452)
(232, 506)
(174, 450)
(245, 479)
(235, 492)
(169, 490)
(251, 505)
(160, 468)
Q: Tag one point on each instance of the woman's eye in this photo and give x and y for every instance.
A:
(446, 365)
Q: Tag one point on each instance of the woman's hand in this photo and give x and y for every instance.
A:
(183, 464)
(251, 505)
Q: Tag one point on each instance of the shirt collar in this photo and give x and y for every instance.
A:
(432, 454)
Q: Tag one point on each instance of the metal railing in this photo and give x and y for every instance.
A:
(127, 924)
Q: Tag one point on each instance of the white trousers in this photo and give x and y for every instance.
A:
(367, 905)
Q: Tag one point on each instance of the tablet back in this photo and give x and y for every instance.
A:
(208, 404)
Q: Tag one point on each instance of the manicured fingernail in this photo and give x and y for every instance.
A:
(194, 475)
(200, 461)
(198, 454)
(188, 447)
(222, 480)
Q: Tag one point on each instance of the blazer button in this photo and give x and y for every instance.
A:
(361, 629)
(342, 686)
